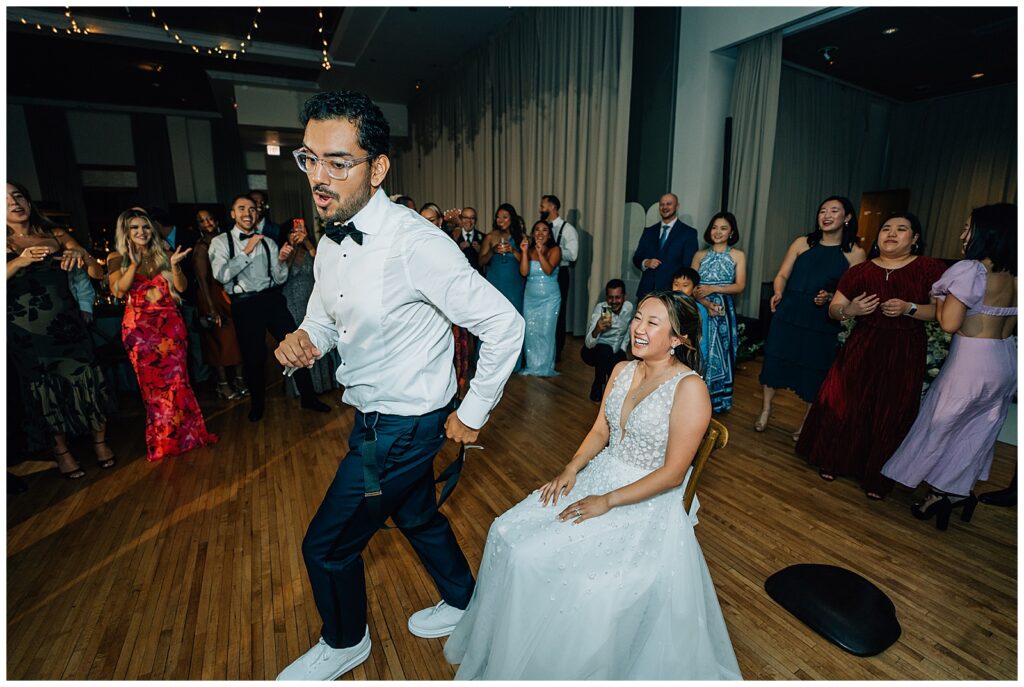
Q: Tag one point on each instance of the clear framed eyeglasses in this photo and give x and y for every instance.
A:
(336, 169)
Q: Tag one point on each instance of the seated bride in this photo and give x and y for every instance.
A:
(598, 574)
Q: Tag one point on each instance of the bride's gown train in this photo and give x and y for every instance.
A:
(626, 595)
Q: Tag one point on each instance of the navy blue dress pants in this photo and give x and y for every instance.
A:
(343, 524)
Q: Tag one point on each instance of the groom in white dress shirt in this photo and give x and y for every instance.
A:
(388, 287)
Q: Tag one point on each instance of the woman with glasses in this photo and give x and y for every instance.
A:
(47, 340)
(154, 335)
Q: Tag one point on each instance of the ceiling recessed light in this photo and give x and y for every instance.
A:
(891, 30)
(977, 75)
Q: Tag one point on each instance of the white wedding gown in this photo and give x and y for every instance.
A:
(624, 596)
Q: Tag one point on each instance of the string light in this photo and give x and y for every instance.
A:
(216, 51)
(71, 28)
(325, 60)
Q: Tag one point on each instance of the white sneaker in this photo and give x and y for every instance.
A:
(323, 662)
(438, 621)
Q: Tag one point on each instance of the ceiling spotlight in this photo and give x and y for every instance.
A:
(977, 75)
(891, 30)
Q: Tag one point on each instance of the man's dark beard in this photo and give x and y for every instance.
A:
(346, 210)
(544, 214)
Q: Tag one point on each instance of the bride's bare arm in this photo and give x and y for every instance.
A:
(691, 412)
(592, 444)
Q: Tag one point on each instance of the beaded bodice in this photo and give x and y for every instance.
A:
(646, 436)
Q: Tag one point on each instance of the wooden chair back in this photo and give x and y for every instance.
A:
(716, 437)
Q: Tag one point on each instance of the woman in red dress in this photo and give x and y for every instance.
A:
(871, 394)
(154, 335)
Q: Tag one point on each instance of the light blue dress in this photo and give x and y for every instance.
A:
(723, 340)
(503, 273)
(540, 309)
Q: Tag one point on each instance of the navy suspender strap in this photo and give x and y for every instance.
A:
(371, 477)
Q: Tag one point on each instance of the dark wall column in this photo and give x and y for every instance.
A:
(652, 103)
(153, 168)
(60, 180)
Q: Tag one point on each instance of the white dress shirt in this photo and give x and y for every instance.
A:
(616, 336)
(388, 306)
(250, 271)
(567, 238)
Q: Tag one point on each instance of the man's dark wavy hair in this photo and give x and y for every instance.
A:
(374, 132)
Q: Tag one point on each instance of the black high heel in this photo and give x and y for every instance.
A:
(107, 463)
(926, 514)
(943, 508)
(968, 505)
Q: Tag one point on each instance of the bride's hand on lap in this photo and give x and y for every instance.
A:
(559, 486)
(586, 508)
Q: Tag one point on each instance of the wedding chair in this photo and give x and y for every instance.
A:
(716, 437)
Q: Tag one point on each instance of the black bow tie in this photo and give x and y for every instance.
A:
(338, 231)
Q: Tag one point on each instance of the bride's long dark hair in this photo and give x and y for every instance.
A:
(685, 321)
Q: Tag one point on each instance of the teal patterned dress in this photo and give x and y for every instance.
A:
(717, 269)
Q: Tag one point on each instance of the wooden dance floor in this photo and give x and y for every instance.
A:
(192, 569)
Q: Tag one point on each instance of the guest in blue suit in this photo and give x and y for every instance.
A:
(664, 249)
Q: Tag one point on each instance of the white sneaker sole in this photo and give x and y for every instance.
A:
(356, 660)
(431, 634)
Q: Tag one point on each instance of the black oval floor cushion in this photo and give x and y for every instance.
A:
(838, 604)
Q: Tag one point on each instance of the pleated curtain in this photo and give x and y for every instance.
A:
(541, 108)
(955, 154)
(754, 108)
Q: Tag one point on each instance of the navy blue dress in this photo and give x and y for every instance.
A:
(802, 339)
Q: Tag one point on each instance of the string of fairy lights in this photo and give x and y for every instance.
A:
(325, 61)
(227, 53)
(71, 28)
(215, 51)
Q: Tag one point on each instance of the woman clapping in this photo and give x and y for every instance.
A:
(154, 335)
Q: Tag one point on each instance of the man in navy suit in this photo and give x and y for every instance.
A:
(664, 248)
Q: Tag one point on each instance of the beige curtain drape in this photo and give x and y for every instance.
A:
(955, 154)
(831, 140)
(542, 108)
(755, 106)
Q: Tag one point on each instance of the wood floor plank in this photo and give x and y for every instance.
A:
(193, 569)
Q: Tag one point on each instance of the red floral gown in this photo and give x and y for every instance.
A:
(155, 338)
